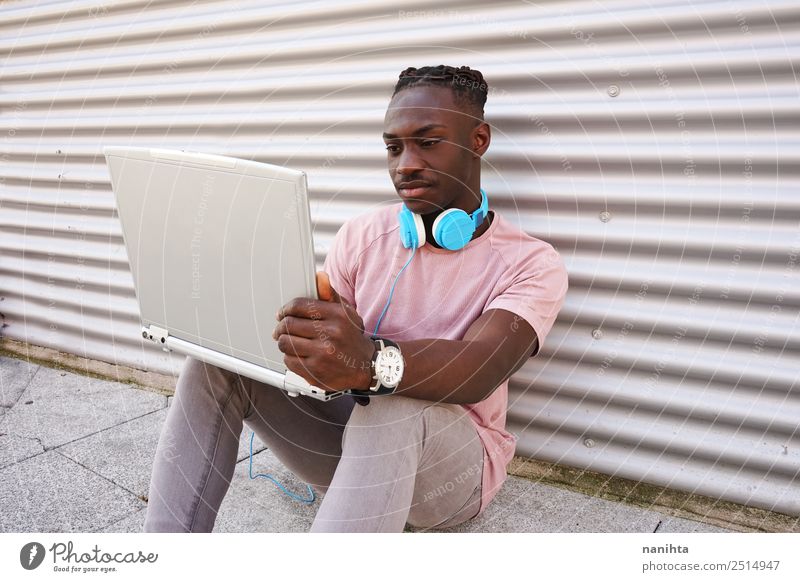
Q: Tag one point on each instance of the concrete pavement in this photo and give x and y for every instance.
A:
(76, 454)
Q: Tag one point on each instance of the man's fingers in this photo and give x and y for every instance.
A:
(299, 347)
(296, 326)
(306, 308)
(297, 365)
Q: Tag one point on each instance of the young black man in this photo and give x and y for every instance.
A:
(426, 308)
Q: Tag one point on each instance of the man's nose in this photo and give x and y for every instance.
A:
(409, 162)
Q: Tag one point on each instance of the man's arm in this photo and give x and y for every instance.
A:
(495, 346)
(324, 342)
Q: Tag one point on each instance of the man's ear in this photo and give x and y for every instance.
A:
(481, 138)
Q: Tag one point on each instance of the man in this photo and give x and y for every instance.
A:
(429, 445)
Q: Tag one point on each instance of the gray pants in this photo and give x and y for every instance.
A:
(397, 460)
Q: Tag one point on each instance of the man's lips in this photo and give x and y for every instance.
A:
(412, 189)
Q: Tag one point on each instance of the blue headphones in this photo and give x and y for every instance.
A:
(452, 229)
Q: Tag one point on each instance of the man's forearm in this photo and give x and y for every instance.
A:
(458, 372)
(324, 342)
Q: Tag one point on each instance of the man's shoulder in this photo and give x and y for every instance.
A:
(508, 233)
(365, 228)
(519, 249)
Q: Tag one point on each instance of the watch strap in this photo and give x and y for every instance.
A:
(376, 381)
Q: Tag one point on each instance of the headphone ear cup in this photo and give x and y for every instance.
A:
(412, 229)
(420, 226)
(453, 229)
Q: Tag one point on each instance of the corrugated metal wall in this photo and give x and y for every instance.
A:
(655, 145)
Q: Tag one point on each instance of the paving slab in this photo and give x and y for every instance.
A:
(670, 524)
(14, 449)
(258, 505)
(15, 375)
(51, 493)
(525, 506)
(76, 454)
(132, 523)
(58, 407)
(124, 454)
(244, 446)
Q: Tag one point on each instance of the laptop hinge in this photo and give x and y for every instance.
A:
(156, 334)
(294, 383)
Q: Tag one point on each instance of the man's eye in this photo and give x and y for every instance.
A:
(392, 148)
(430, 142)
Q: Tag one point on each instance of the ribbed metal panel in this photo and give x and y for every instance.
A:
(656, 146)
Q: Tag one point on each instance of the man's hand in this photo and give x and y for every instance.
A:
(323, 340)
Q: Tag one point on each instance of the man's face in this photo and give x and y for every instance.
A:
(429, 147)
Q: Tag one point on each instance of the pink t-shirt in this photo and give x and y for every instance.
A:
(441, 293)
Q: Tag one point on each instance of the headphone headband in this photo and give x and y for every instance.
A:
(480, 214)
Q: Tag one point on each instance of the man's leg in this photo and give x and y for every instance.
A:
(196, 453)
(404, 460)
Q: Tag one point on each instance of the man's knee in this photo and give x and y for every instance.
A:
(386, 411)
(200, 370)
(204, 384)
(389, 423)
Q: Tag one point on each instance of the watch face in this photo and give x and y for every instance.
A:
(389, 366)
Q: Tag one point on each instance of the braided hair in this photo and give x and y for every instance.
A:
(468, 85)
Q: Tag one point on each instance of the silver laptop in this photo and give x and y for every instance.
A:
(216, 246)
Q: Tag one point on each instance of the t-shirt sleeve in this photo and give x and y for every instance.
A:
(340, 264)
(535, 290)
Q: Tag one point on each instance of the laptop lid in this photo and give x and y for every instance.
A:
(216, 246)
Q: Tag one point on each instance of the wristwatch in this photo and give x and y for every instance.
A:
(387, 365)
(387, 368)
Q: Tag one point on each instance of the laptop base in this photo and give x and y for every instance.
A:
(292, 383)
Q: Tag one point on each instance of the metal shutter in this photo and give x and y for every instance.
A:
(655, 145)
